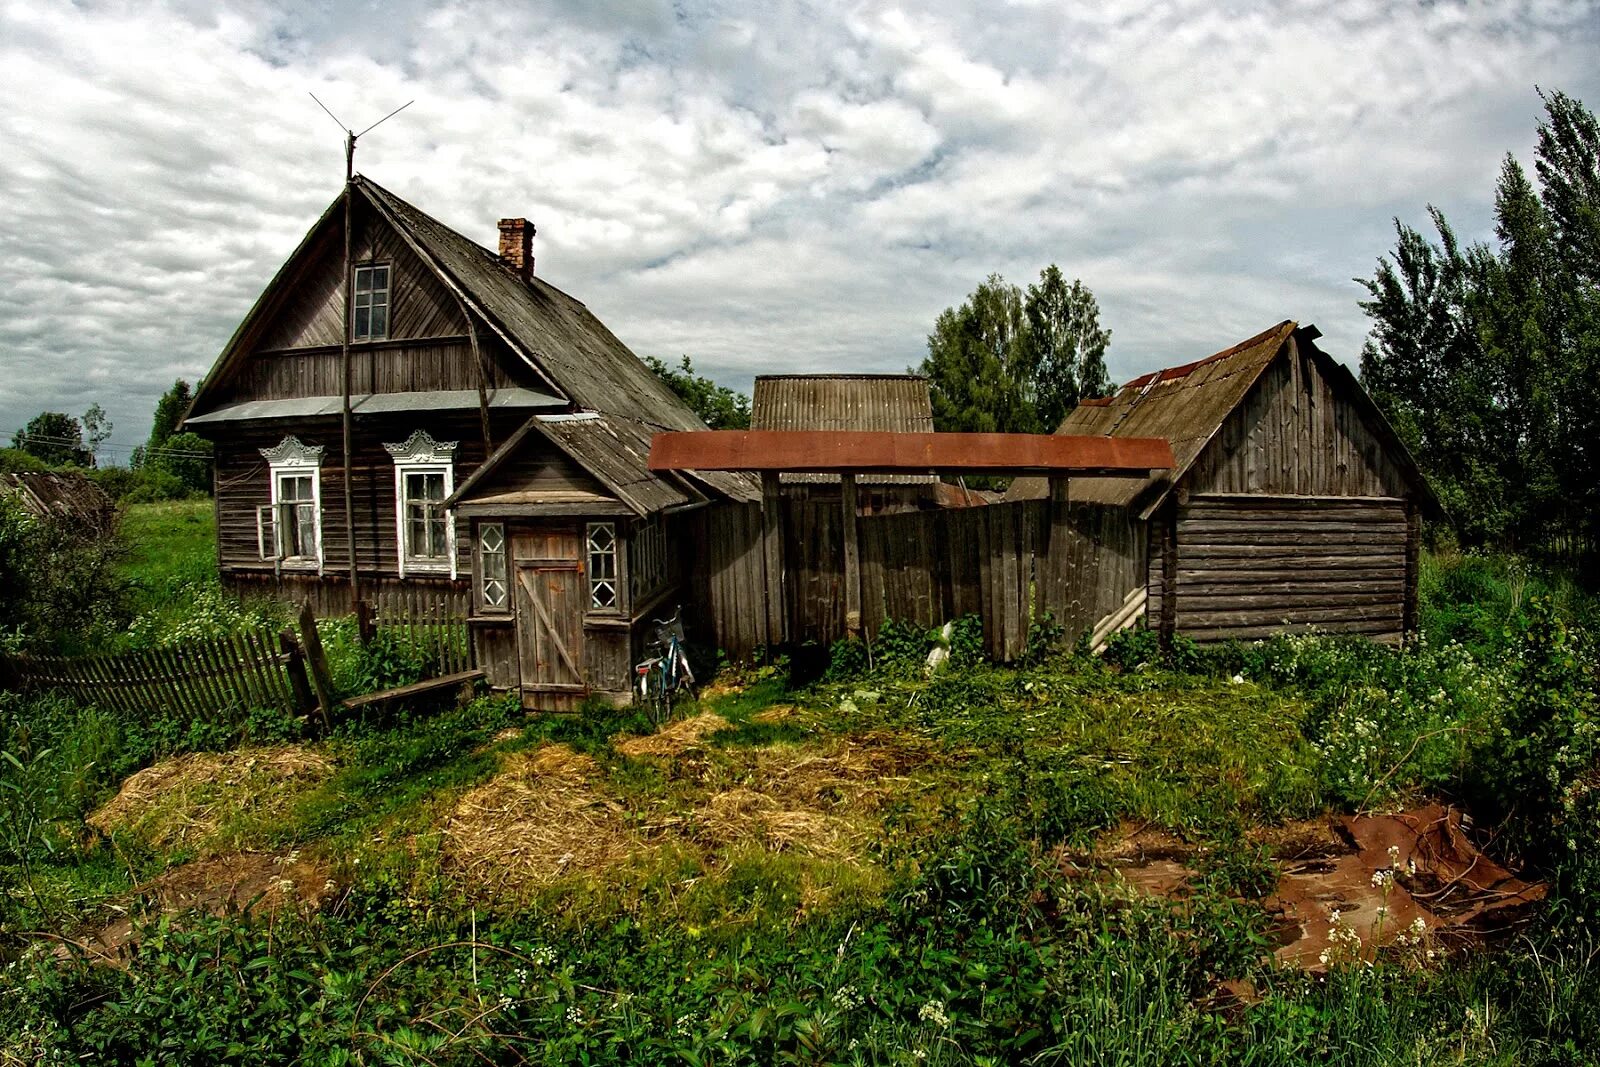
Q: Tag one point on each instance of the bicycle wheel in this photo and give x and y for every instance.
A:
(660, 701)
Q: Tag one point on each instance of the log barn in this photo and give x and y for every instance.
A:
(498, 435)
(1292, 503)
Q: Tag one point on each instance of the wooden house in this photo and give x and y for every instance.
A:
(895, 403)
(498, 434)
(1292, 503)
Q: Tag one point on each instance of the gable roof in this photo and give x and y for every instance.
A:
(898, 403)
(61, 494)
(559, 338)
(1188, 404)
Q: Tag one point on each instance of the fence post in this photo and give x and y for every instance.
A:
(317, 660)
(364, 627)
(295, 668)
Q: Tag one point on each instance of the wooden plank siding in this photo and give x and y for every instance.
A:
(1252, 565)
(243, 484)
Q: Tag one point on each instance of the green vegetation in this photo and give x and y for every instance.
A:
(884, 867)
(718, 406)
(1487, 358)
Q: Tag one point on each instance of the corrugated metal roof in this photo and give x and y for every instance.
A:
(61, 493)
(379, 404)
(1185, 405)
(898, 403)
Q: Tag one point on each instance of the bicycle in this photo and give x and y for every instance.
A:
(660, 680)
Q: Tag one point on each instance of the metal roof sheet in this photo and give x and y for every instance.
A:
(378, 404)
(899, 403)
(879, 451)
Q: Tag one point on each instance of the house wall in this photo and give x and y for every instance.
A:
(1296, 516)
(243, 483)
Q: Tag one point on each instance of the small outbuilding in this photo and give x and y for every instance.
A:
(1292, 504)
(65, 495)
(851, 403)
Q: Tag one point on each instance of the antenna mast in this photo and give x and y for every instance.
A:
(350, 138)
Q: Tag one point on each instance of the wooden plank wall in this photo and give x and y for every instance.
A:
(1097, 555)
(1252, 566)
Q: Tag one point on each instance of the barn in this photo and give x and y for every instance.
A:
(1292, 504)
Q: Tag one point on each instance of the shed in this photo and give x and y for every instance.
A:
(844, 403)
(1292, 504)
(61, 495)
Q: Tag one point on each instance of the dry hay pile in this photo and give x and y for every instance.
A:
(540, 818)
(675, 738)
(818, 800)
(184, 800)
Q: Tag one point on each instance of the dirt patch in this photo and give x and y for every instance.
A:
(184, 800)
(223, 885)
(541, 817)
(675, 738)
(778, 713)
(1409, 880)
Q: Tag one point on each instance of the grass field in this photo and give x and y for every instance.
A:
(881, 867)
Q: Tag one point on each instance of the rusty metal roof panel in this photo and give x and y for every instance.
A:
(899, 403)
(1183, 405)
(879, 452)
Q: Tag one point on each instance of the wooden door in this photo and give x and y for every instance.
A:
(550, 596)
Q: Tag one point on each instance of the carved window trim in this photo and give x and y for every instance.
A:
(494, 575)
(289, 461)
(420, 454)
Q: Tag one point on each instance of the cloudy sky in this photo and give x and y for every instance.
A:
(775, 186)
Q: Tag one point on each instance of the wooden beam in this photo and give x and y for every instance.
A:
(772, 541)
(317, 660)
(852, 556)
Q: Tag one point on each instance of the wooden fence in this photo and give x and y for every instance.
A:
(1009, 564)
(432, 621)
(211, 680)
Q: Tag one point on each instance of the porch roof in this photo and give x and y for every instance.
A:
(839, 452)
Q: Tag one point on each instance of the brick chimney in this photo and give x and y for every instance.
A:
(516, 245)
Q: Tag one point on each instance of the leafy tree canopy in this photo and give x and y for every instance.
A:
(718, 406)
(1487, 357)
(54, 438)
(1009, 361)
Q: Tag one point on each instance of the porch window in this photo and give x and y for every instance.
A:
(424, 477)
(602, 546)
(647, 559)
(492, 564)
(370, 311)
(289, 530)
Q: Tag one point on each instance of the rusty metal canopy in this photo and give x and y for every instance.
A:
(877, 451)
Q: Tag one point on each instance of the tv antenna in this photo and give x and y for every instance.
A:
(351, 136)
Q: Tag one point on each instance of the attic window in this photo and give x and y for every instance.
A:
(370, 311)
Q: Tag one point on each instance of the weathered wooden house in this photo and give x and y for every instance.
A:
(840, 403)
(1292, 503)
(499, 435)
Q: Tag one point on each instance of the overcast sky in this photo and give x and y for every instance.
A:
(774, 186)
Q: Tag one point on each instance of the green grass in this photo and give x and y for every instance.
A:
(170, 544)
(953, 932)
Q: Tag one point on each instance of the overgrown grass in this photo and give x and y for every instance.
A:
(953, 933)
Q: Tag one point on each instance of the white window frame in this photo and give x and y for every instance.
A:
(614, 580)
(291, 458)
(503, 553)
(421, 454)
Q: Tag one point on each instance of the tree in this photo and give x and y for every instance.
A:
(55, 438)
(718, 406)
(1487, 358)
(187, 457)
(1010, 362)
(96, 429)
(1069, 345)
(170, 410)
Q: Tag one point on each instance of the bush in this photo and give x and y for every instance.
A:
(145, 485)
(59, 577)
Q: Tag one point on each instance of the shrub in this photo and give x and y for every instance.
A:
(59, 578)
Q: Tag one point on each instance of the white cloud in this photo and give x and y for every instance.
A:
(795, 185)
